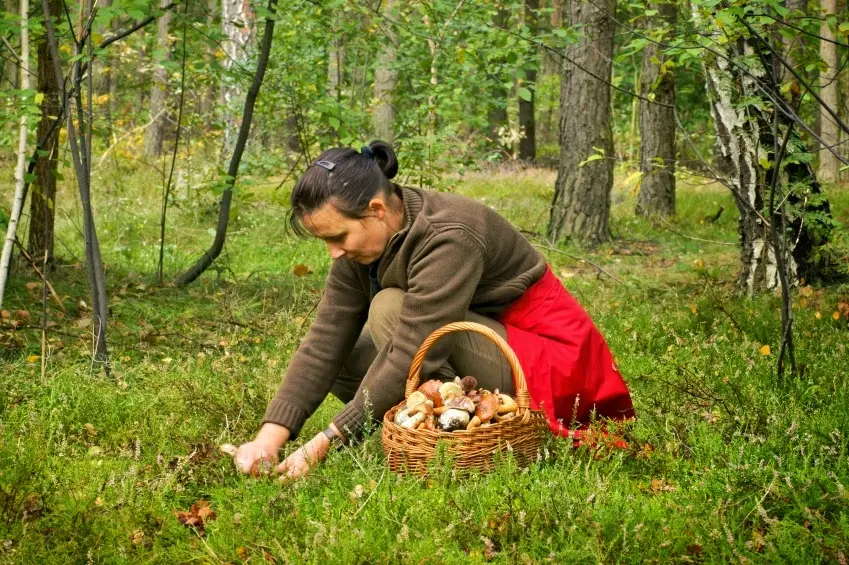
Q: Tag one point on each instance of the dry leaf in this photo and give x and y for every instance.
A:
(694, 309)
(818, 315)
(83, 323)
(806, 291)
(843, 308)
(765, 350)
(200, 513)
(700, 264)
(33, 286)
(33, 358)
(4, 315)
(835, 315)
(488, 549)
(22, 314)
(301, 270)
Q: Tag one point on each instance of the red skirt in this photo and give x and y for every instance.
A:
(568, 367)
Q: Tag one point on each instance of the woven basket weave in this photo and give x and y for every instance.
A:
(409, 451)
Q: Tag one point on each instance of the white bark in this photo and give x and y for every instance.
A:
(238, 21)
(20, 169)
(829, 131)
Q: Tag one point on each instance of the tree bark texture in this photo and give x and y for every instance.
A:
(155, 132)
(527, 121)
(43, 192)
(241, 141)
(657, 124)
(335, 66)
(238, 22)
(745, 136)
(829, 131)
(386, 78)
(581, 205)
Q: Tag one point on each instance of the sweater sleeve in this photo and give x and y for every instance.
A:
(443, 277)
(312, 371)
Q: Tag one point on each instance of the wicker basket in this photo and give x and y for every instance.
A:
(411, 450)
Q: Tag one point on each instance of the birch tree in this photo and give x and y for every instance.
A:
(829, 131)
(385, 78)
(155, 132)
(20, 168)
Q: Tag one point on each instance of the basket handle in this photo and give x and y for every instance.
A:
(522, 396)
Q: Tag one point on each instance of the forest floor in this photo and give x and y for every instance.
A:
(724, 463)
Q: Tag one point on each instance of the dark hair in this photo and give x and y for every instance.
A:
(347, 178)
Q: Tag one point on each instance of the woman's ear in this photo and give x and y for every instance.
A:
(377, 208)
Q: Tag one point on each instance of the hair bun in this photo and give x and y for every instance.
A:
(385, 158)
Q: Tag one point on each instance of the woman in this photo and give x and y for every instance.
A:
(406, 262)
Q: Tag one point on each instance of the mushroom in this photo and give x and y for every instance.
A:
(430, 423)
(413, 421)
(440, 410)
(431, 390)
(475, 422)
(487, 407)
(229, 449)
(469, 384)
(508, 405)
(505, 417)
(401, 416)
(450, 390)
(462, 403)
(475, 395)
(415, 399)
(453, 419)
(426, 407)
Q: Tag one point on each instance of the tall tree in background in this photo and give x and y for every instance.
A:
(43, 190)
(550, 65)
(581, 205)
(657, 120)
(497, 115)
(386, 77)
(155, 132)
(335, 66)
(528, 143)
(829, 164)
(238, 21)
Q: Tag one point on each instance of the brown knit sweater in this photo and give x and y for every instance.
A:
(452, 255)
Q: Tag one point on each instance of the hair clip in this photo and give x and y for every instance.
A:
(325, 164)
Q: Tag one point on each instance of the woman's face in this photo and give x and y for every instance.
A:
(357, 239)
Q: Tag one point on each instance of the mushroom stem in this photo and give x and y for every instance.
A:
(474, 423)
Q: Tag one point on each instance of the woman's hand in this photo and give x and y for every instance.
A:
(258, 457)
(299, 462)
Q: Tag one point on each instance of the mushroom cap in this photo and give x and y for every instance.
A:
(450, 390)
(426, 407)
(507, 404)
(229, 449)
(415, 399)
(431, 390)
(461, 403)
(487, 407)
(469, 383)
(454, 419)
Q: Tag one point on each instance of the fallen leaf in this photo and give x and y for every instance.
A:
(22, 314)
(835, 315)
(33, 286)
(765, 350)
(806, 291)
(694, 549)
(301, 270)
(4, 315)
(843, 308)
(83, 323)
(33, 358)
(700, 264)
(818, 315)
(200, 513)
(137, 537)
(694, 309)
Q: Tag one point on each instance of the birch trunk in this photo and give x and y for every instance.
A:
(238, 22)
(20, 169)
(829, 131)
(657, 124)
(155, 132)
(581, 205)
(385, 79)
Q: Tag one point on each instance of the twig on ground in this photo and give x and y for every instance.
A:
(669, 228)
(580, 259)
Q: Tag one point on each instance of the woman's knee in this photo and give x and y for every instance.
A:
(383, 314)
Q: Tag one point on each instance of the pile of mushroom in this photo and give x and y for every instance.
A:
(453, 406)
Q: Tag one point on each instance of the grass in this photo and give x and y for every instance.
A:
(724, 463)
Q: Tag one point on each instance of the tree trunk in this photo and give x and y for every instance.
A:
(527, 121)
(551, 65)
(10, 66)
(745, 136)
(20, 169)
(209, 95)
(497, 115)
(238, 22)
(43, 193)
(581, 205)
(657, 124)
(155, 132)
(335, 67)
(241, 141)
(385, 79)
(829, 131)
